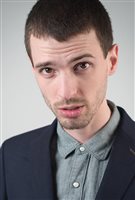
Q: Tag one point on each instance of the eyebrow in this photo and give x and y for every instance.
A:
(81, 57)
(43, 64)
(72, 60)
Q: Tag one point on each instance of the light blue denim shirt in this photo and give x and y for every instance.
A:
(80, 167)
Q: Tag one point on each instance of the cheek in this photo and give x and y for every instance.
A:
(48, 90)
(95, 83)
(101, 74)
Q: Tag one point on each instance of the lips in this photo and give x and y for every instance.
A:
(71, 111)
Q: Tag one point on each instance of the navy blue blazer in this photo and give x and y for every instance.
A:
(27, 164)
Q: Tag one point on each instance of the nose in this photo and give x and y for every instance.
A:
(68, 86)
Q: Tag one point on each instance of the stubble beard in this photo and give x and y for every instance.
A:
(77, 123)
(84, 119)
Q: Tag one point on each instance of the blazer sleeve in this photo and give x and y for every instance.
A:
(3, 195)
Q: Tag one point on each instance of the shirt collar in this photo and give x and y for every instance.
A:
(99, 145)
(65, 143)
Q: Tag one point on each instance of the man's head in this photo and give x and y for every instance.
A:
(70, 45)
(62, 20)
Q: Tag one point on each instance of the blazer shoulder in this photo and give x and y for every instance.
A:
(127, 125)
(24, 140)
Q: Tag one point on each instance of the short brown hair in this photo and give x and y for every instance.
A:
(63, 19)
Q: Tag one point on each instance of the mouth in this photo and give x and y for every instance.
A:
(71, 111)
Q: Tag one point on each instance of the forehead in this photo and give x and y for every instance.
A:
(48, 46)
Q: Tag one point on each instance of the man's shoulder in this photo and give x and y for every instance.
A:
(126, 125)
(24, 140)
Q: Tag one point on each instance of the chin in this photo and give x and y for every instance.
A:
(74, 124)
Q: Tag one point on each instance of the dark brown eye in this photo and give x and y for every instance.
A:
(47, 72)
(82, 66)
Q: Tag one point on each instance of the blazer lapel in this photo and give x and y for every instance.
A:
(120, 169)
(41, 164)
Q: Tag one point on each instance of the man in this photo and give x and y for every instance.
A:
(88, 152)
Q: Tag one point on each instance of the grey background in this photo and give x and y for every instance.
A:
(23, 107)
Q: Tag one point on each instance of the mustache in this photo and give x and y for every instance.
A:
(69, 101)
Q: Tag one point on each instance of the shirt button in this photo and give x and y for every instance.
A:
(76, 184)
(82, 149)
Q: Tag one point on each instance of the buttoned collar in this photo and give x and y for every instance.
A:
(98, 146)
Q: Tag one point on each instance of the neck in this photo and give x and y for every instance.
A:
(101, 117)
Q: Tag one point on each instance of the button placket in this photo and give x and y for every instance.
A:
(78, 173)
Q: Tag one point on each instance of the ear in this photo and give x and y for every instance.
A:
(112, 59)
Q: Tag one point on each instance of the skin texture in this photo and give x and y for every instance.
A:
(72, 77)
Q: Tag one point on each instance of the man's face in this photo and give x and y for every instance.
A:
(72, 76)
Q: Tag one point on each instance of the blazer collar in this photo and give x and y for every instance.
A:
(120, 169)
